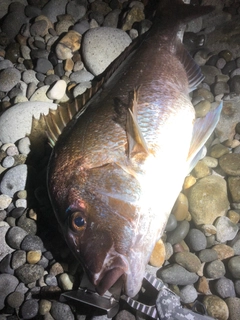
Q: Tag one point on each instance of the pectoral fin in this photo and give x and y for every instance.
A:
(136, 141)
(203, 128)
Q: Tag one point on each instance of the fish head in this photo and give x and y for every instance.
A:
(105, 228)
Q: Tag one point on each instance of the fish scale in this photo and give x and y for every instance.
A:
(118, 166)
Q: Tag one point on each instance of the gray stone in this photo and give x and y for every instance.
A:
(32, 243)
(188, 294)
(29, 309)
(196, 240)
(175, 274)
(207, 255)
(178, 234)
(100, 46)
(15, 299)
(14, 180)
(234, 267)
(8, 284)
(225, 288)
(9, 77)
(215, 269)
(54, 8)
(233, 307)
(226, 229)
(61, 311)
(29, 273)
(15, 237)
(19, 257)
(5, 249)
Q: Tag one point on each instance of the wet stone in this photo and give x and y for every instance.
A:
(29, 309)
(220, 88)
(158, 255)
(179, 233)
(215, 269)
(175, 274)
(229, 66)
(207, 255)
(226, 229)
(61, 311)
(218, 150)
(188, 260)
(234, 267)
(180, 209)
(234, 188)
(171, 224)
(225, 288)
(201, 170)
(15, 237)
(29, 273)
(202, 108)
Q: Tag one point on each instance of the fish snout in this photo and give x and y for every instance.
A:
(109, 279)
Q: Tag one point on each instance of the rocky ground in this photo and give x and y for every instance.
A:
(49, 53)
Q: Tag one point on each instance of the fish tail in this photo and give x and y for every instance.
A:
(179, 11)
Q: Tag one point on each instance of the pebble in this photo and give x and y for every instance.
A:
(51, 280)
(230, 163)
(43, 65)
(29, 76)
(208, 200)
(207, 255)
(61, 311)
(15, 299)
(14, 180)
(223, 251)
(210, 162)
(101, 46)
(57, 91)
(210, 72)
(15, 237)
(188, 260)
(32, 242)
(234, 307)
(158, 254)
(202, 286)
(234, 188)
(180, 209)
(125, 315)
(202, 108)
(44, 306)
(24, 146)
(56, 269)
(226, 229)
(225, 288)
(69, 44)
(5, 201)
(8, 162)
(34, 256)
(188, 294)
(8, 284)
(65, 282)
(12, 151)
(218, 150)
(175, 274)
(201, 170)
(9, 78)
(41, 94)
(29, 225)
(171, 224)
(216, 307)
(28, 273)
(29, 309)
(19, 258)
(179, 233)
(16, 122)
(234, 267)
(196, 240)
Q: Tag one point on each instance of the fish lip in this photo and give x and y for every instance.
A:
(109, 279)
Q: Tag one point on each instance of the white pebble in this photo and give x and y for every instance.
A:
(5, 146)
(12, 151)
(24, 145)
(21, 203)
(8, 162)
(4, 201)
(58, 90)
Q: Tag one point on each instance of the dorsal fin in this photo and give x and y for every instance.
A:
(193, 71)
(136, 142)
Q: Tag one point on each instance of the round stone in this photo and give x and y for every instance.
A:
(176, 274)
(43, 65)
(226, 229)
(9, 77)
(188, 260)
(223, 251)
(5, 201)
(208, 199)
(201, 170)
(18, 259)
(180, 209)
(15, 299)
(29, 273)
(101, 46)
(29, 309)
(58, 90)
(171, 224)
(33, 256)
(8, 284)
(234, 307)
(32, 242)
(61, 311)
(202, 108)
(15, 237)
(56, 269)
(207, 255)
(14, 180)
(225, 288)
(8, 162)
(215, 269)
(188, 294)
(234, 267)
(216, 307)
(29, 225)
(234, 188)
(196, 240)
(44, 306)
(158, 254)
(230, 163)
(69, 44)
(51, 280)
(66, 281)
(179, 233)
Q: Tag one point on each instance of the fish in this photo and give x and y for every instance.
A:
(118, 166)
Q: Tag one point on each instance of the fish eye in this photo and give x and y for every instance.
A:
(77, 221)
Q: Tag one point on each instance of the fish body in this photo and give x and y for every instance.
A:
(116, 171)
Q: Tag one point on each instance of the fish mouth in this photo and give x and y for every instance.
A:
(109, 279)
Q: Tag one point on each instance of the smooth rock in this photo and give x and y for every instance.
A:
(16, 122)
(58, 90)
(40, 94)
(188, 294)
(15, 237)
(207, 255)
(218, 150)
(69, 44)
(234, 188)
(188, 260)
(202, 286)
(66, 281)
(15, 299)
(101, 46)
(29, 225)
(43, 65)
(175, 274)
(178, 234)
(14, 180)
(196, 240)
(225, 288)
(234, 267)
(24, 145)
(54, 8)
(19, 257)
(5, 201)
(171, 224)
(34, 256)
(208, 200)
(29, 76)
(29, 273)
(216, 307)
(8, 284)
(9, 78)
(44, 306)
(210, 72)
(233, 307)
(158, 255)
(226, 229)
(180, 208)
(81, 76)
(32, 242)
(223, 251)
(230, 163)
(29, 309)
(61, 311)
(5, 249)
(201, 170)
(51, 280)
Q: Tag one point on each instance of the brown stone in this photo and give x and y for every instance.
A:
(223, 251)
(158, 254)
